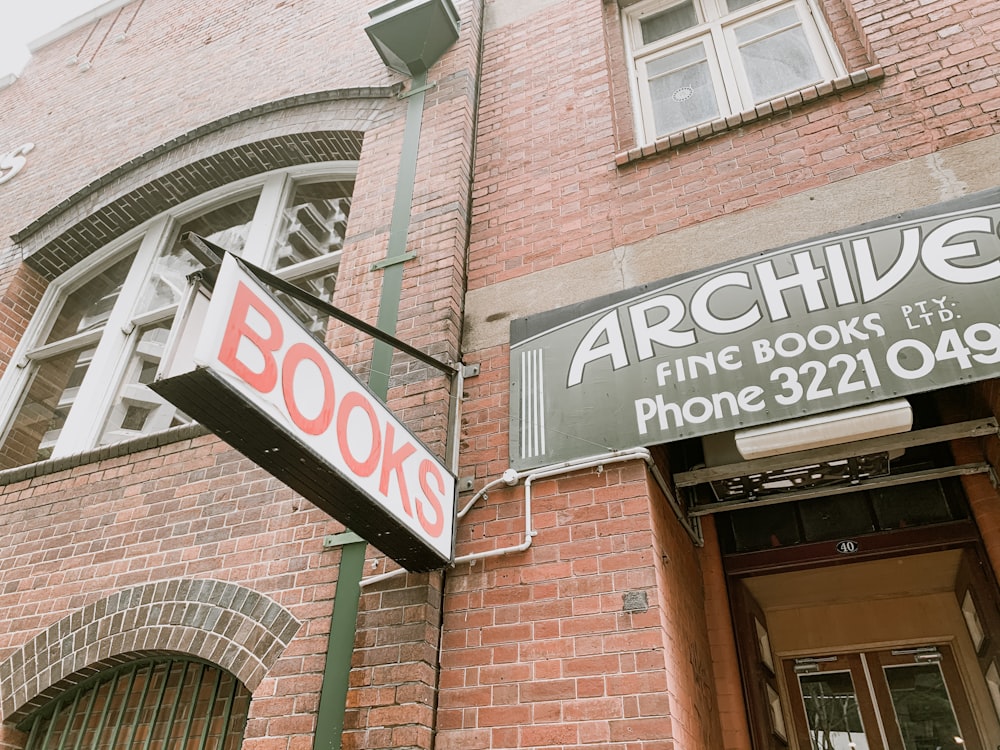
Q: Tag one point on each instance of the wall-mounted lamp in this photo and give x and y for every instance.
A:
(411, 35)
(831, 428)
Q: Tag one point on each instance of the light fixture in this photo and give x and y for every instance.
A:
(411, 35)
(822, 430)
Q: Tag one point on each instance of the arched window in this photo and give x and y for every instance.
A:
(80, 373)
(156, 704)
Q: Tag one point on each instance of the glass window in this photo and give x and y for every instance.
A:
(314, 223)
(136, 410)
(88, 307)
(682, 89)
(832, 711)
(226, 226)
(836, 517)
(308, 244)
(46, 403)
(668, 22)
(699, 60)
(775, 54)
(58, 367)
(911, 505)
(764, 528)
(85, 366)
(923, 707)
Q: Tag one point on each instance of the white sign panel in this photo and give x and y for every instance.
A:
(249, 341)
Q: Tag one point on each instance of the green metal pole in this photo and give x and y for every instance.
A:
(333, 697)
(343, 624)
(395, 254)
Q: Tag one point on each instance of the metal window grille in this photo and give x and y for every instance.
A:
(153, 704)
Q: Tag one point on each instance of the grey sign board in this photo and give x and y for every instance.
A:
(899, 306)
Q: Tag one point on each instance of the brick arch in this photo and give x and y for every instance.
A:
(311, 128)
(230, 626)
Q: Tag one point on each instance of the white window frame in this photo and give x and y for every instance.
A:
(716, 30)
(86, 420)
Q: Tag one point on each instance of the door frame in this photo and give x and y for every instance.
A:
(763, 716)
(871, 689)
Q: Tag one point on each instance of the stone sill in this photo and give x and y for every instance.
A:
(774, 106)
(146, 442)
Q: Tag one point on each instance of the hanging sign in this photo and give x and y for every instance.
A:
(241, 364)
(900, 306)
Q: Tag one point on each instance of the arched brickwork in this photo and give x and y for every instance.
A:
(325, 126)
(188, 181)
(225, 624)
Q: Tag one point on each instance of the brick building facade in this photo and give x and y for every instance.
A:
(558, 159)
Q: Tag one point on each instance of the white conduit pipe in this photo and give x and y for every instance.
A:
(512, 477)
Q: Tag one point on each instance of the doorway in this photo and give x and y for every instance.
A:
(900, 652)
(877, 700)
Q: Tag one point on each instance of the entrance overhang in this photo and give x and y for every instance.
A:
(846, 453)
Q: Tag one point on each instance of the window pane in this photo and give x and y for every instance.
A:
(835, 517)
(668, 22)
(737, 4)
(923, 708)
(314, 223)
(911, 505)
(136, 409)
(681, 87)
(227, 227)
(776, 55)
(832, 713)
(764, 528)
(88, 307)
(318, 286)
(38, 422)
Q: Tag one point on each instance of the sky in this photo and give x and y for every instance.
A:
(26, 20)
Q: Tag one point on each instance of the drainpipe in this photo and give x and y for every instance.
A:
(410, 37)
(511, 477)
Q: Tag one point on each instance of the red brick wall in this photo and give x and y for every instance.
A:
(550, 646)
(583, 639)
(554, 113)
(192, 509)
(546, 186)
(196, 508)
(11, 739)
(20, 292)
(691, 685)
(693, 707)
(153, 83)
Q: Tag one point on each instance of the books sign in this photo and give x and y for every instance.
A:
(246, 368)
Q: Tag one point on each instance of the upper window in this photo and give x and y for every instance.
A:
(699, 60)
(80, 373)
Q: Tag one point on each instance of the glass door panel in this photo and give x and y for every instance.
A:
(920, 693)
(923, 708)
(832, 703)
(833, 716)
(903, 699)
